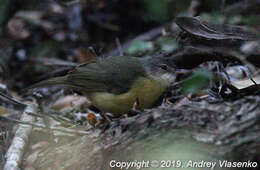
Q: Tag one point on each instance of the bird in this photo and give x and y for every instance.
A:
(115, 84)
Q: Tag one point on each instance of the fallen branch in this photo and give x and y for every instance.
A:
(15, 152)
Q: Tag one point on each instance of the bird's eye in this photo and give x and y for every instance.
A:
(164, 66)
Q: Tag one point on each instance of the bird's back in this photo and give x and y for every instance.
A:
(113, 74)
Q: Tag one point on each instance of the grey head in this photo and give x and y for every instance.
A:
(159, 67)
(156, 64)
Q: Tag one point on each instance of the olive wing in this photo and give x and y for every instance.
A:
(113, 74)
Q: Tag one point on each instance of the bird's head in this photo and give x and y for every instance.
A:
(159, 67)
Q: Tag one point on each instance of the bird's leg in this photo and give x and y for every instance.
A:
(136, 104)
(134, 110)
(166, 98)
(167, 102)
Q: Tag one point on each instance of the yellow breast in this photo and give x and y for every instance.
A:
(145, 90)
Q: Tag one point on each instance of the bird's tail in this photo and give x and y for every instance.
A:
(49, 82)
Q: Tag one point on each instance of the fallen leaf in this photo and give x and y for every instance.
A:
(92, 119)
(16, 28)
(242, 84)
(85, 56)
(42, 144)
(32, 158)
(71, 101)
(3, 111)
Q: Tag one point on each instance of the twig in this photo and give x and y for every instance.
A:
(55, 117)
(16, 150)
(53, 62)
(118, 44)
(12, 100)
(44, 127)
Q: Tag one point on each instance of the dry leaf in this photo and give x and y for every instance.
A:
(3, 111)
(92, 119)
(29, 167)
(16, 28)
(42, 144)
(242, 84)
(85, 56)
(32, 158)
(71, 101)
(237, 72)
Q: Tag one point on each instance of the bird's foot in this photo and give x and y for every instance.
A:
(134, 112)
(105, 117)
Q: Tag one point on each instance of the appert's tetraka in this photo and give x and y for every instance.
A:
(114, 84)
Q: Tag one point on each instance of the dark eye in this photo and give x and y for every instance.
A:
(164, 66)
